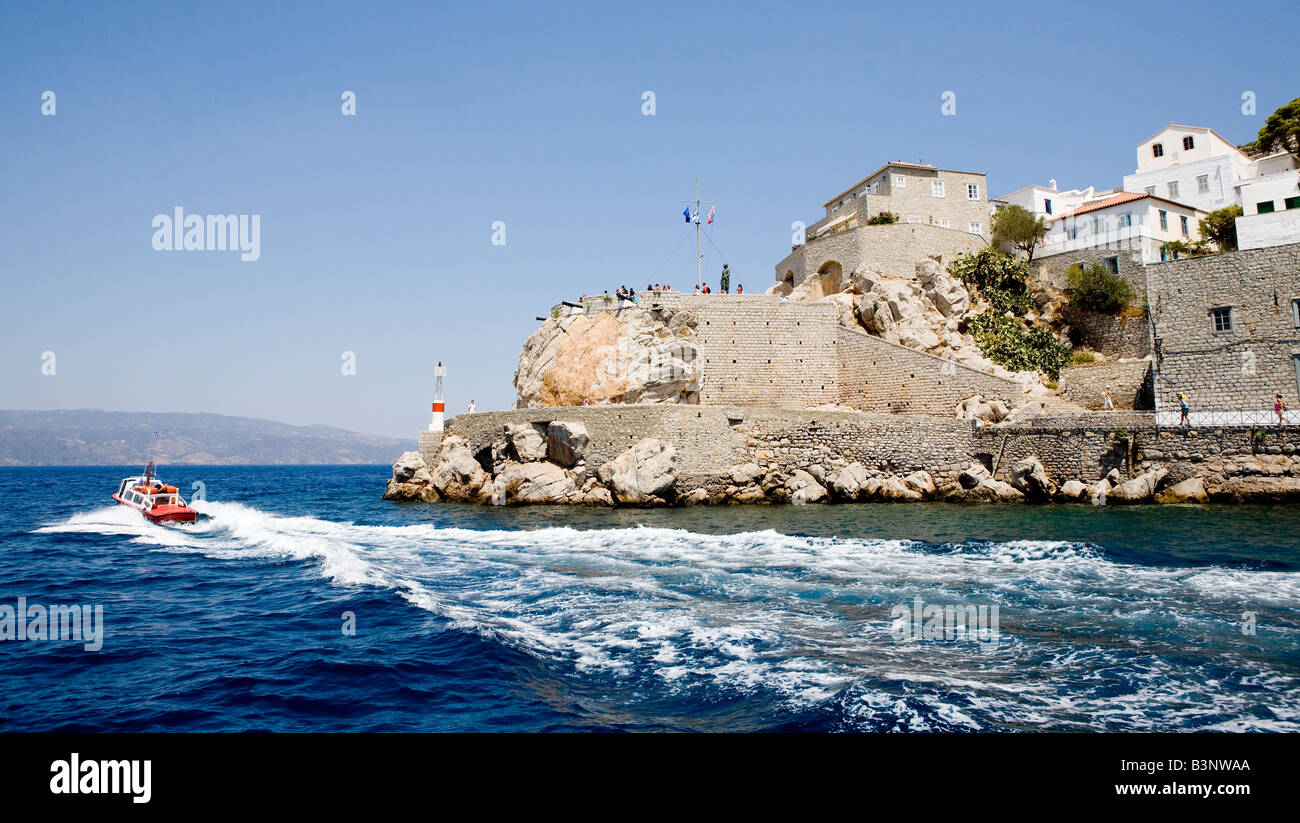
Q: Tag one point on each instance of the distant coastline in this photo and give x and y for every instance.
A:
(92, 437)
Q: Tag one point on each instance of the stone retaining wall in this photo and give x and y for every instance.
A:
(1111, 335)
(878, 376)
(1130, 384)
(710, 441)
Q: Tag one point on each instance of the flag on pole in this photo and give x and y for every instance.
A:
(695, 215)
(686, 212)
(711, 210)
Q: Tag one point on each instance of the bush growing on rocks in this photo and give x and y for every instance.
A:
(1006, 341)
(1096, 289)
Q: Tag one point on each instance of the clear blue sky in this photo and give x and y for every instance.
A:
(376, 229)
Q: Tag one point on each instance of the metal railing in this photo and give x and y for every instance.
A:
(1241, 418)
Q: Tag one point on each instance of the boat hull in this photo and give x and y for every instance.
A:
(163, 514)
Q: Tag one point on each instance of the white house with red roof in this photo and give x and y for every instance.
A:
(1131, 220)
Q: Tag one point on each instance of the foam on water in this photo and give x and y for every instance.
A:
(1085, 642)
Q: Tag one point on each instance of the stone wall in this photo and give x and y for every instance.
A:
(1130, 384)
(878, 376)
(1241, 368)
(891, 250)
(1111, 335)
(710, 441)
(1052, 269)
(758, 350)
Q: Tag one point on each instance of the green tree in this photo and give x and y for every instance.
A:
(1015, 225)
(1280, 132)
(882, 219)
(989, 268)
(1220, 227)
(1097, 289)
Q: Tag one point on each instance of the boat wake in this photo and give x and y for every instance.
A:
(1082, 642)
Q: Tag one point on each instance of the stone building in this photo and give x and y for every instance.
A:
(891, 250)
(1227, 330)
(917, 194)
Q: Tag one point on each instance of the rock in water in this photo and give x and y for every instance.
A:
(1191, 490)
(565, 442)
(411, 480)
(1139, 489)
(457, 475)
(645, 473)
(1029, 476)
(526, 441)
(538, 483)
(634, 356)
(848, 483)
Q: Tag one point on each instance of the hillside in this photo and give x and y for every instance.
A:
(92, 437)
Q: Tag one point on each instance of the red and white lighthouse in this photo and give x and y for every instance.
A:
(438, 408)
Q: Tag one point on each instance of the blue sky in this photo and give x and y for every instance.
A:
(376, 229)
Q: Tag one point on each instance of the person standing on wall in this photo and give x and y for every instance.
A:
(1184, 408)
(1279, 409)
(1106, 403)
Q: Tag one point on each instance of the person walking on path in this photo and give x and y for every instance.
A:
(472, 407)
(1106, 403)
(1279, 409)
(725, 281)
(1184, 409)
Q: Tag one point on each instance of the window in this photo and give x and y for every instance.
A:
(1222, 317)
(1164, 220)
(1188, 143)
(943, 224)
(913, 219)
(1292, 202)
(1202, 183)
(1265, 207)
(972, 191)
(1112, 265)
(1173, 189)
(1047, 205)
(1125, 220)
(1182, 224)
(1157, 150)
(1295, 312)
(1151, 190)
(900, 182)
(936, 188)
(974, 227)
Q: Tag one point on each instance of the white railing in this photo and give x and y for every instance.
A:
(1244, 418)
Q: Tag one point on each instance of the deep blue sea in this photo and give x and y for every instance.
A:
(771, 618)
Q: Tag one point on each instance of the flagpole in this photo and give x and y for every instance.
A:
(699, 279)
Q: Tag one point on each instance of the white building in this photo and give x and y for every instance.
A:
(1048, 202)
(1271, 210)
(1130, 220)
(1196, 166)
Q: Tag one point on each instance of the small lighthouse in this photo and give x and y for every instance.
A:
(438, 408)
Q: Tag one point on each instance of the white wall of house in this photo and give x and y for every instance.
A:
(1173, 151)
(1135, 225)
(1204, 184)
(1276, 228)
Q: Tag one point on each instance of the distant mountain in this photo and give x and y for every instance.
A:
(89, 437)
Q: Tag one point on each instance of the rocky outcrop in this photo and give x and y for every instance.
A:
(565, 442)
(526, 442)
(411, 480)
(634, 355)
(457, 475)
(537, 483)
(986, 411)
(1191, 490)
(644, 474)
(1138, 490)
(1030, 478)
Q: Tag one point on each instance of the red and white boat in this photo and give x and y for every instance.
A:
(156, 501)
